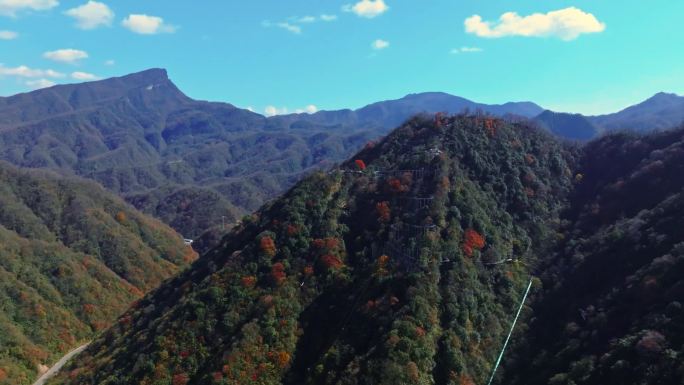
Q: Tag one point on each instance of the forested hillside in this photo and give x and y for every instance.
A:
(611, 309)
(72, 257)
(405, 265)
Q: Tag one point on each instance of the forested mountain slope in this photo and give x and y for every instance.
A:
(72, 257)
(403, 266)
(611, 309)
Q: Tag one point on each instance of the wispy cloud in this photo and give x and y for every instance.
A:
(294, 24)
(380, 44)
(147, 25)
(109, 62)
(367, 8)
(13, 7)
(27, 72)
(40, 83)
(91, 15)
(84, 76)
(566, 24)
(8, 35)
(67, 55)
(273, 110)
(464, 49)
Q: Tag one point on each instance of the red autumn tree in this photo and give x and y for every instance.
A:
(249, 281)
(278, 273)
(360, 164)
(384, 212)
(331, 261)
(472, 241)
(267, 246)
(180, 379)
(292, 230)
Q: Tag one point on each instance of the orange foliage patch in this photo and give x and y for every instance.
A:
(530, 159)
(464, 379)
(89, 308)
(120, 217)
(278, 273)
(472, 241)
(384, 212)
(331, 261)
(3, 374)
(308, 270)
(360, 164)
(189, 255)
(383, 260)
(180, 379)
(267, 246)
(249, 281)
(420, 332)
(283, 359)
(396, 186)
(217, 376)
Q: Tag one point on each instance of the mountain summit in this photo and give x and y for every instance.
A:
(404, 265)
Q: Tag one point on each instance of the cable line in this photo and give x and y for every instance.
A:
(498, 361)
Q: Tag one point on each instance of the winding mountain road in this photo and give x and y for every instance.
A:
(56, 367)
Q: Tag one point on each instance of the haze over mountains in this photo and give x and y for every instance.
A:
(197, 164)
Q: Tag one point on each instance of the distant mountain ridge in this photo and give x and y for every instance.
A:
(195, 164)
(659, 112)
(199, 164)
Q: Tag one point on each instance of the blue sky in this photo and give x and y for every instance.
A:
(577, 56)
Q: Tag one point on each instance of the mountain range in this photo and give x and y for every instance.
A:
(408, 262)
(200, 165)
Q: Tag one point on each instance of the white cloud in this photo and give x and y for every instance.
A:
(147, 25)
(83, 76)
(466, 50)
(566, 24)
(40, 83)
(310, 109)
(26, 72)
(8, 35)
(68, 55)
(290, 27)
(109, 62)
(273, 111)
(307, 19)
(367, 8)
(11, 7)
(284, 25)
(91, 15)
(380, 44)
(325, 17)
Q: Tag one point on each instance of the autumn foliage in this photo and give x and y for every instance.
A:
(360, 164)
(180, 379)
(384, 212)
(472, 241)
(120, 217)
(278, 273)
(249, 281)
(267, 246)
(331, 261)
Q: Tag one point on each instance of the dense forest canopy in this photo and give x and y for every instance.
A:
(72, 258)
